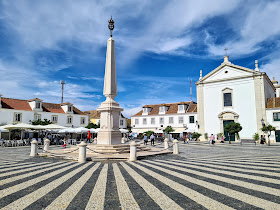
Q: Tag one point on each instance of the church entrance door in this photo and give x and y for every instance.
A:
(277, 134)
(232, 137)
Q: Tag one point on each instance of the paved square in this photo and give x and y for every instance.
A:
(201, 177)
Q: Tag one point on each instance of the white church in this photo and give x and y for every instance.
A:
(229, 93)
(232, 93)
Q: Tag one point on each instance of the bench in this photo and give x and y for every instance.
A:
(247, 141)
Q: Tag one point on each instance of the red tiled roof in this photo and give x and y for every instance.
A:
(9, 103)
(173, 108)
(66, 103)
(18, 104)
(93, 114)
(34, 99)
(273, 102)
(49, 107)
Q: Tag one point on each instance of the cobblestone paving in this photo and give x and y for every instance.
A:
(201, 177)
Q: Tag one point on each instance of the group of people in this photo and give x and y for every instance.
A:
(152, 139)
(212, 139)
(263, 140)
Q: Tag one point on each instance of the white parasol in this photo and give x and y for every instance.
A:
(124, 130)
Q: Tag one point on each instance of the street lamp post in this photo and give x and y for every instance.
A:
(62, 84)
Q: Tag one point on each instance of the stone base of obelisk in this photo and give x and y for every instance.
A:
(109, 137)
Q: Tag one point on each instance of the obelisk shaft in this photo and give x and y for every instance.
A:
(110, 78)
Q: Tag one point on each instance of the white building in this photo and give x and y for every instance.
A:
(273, 112)
(181, 116)
(232, 93)
(25, 111)
(94, 117)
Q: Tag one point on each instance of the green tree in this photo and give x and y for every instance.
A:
(168, 130)
(92, 125)
(267, 129)
(40, 122)
(196, 135)
(233, 128)
(149, 133)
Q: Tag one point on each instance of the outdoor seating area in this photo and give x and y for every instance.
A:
(22, 134)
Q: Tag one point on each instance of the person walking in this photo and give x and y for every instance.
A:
(152, 137)
(88, 136)
(145, 139)
(64, 143)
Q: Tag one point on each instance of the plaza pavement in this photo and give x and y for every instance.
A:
(202, 177)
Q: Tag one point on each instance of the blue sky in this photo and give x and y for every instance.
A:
(160, 47)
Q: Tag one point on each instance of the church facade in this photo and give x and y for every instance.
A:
(231, 93)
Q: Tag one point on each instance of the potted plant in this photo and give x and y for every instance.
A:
(206, 136)
(256, 137)
(196, 135)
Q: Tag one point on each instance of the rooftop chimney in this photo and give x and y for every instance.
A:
(200, 76)
(0, 101)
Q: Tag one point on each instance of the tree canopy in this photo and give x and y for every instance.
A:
(268, 128)
(40, 122)
(168, 129)
(148, 133)
(233, 128)
(92, 125)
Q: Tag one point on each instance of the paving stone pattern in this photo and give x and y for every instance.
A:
(201, 177)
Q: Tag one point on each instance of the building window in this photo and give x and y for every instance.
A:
(54, 118)
(161, 120)
(69, 108)
(276, 116)
(161, 109)
(181, 120)
(227, 99)
(83, 120)
(17, 117)
(136, 121)
(170, 120)
(38, 105)
(37, 117)
(181, 108)
(144, 121)
(121, 122)
(153, 121)
(191, 119)
(69, 120)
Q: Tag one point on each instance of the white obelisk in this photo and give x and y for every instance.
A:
(109, 132)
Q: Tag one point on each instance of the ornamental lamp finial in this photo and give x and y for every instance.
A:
(111, 26)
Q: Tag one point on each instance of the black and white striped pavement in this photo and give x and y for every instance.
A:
(245, 182)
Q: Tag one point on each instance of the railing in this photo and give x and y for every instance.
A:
(82, 147)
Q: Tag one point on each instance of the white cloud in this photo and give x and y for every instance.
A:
(128, 112)
(261, 23)
(272, 68)
(141, 26)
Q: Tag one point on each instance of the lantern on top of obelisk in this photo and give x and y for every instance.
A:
(111, 26)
